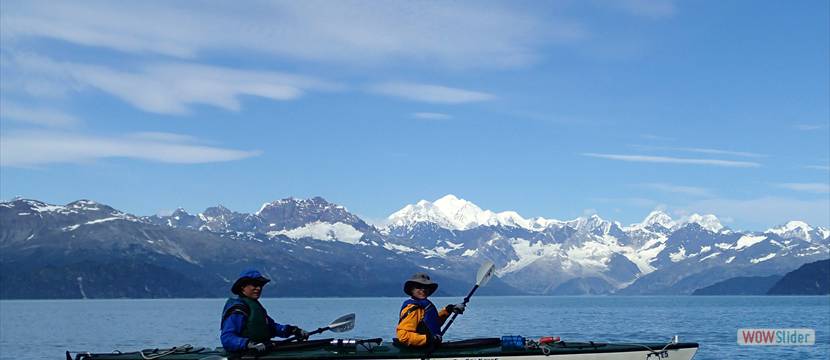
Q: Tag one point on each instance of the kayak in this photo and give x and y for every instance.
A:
(505, 348)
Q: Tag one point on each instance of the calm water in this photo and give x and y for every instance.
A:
(44, 329)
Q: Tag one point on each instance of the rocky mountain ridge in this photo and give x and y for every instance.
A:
(809, 279)
(308, 243)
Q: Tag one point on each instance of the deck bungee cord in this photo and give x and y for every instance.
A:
(658, 353)
(184, 349)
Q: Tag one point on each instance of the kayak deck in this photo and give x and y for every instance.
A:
(476, 349)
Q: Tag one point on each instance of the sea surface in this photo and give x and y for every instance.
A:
(44, 329)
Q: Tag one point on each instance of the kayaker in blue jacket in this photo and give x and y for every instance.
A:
(245, 323)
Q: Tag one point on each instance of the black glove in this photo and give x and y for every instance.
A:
(434, 339)
(301, 334)
(258, 347)
(456, 308)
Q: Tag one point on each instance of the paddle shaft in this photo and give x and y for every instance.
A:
(315, 332)
(454, 315)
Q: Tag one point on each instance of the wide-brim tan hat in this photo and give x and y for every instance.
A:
(420, 280)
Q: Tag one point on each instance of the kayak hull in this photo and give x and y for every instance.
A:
(679, 354)
(390, 351)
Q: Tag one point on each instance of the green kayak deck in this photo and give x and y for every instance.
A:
(474, 349)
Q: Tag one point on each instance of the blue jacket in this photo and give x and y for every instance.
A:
(233, 324)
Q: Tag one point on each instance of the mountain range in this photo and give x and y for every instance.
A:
(809, 279)
(311, 247)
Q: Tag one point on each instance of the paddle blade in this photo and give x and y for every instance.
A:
(343, 323)
(485, 272)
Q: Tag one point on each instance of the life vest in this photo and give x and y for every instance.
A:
(255, 326)
(430, 324)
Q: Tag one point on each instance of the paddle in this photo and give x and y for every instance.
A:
(341, 324)
(484, 273)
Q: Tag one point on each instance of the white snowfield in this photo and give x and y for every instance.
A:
(323, 231)
(748, 240)
(763, 258)
(453, 213)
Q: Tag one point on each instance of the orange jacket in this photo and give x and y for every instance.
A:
(410, 330)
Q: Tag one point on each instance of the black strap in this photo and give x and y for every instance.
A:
(412, 309)
(240, 308)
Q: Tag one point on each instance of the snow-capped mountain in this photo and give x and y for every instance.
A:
(24, 218)
(294, 218)
(91, 250)
(707, 222)
(85, 209)
(801, 230)
(657, 219)
(535, 255)
(540, 255)
(306, 244)
(292, 213)
(452, 213)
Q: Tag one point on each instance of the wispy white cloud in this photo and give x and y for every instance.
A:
(30, 149)
(701, 151)
(766, 211)
(721, 152)
(36, 115)
(810, 127)
(172, 88)
(818, 167)
(678, 189)
(430, 93)
(375, 221)
(674, 160)
(431, 116)
(164, 137)
(807, 187)
(457, 34)
(31, 76)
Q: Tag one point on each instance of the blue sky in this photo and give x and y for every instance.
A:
(554, 109)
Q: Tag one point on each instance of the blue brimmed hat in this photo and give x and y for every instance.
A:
(249, 276)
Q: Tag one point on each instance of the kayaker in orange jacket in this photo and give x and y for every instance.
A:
(419, 322)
